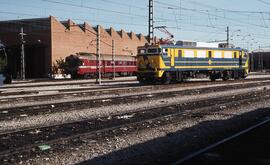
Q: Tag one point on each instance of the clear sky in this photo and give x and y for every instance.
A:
(195, 20)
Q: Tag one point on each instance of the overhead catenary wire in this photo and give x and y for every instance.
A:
(265, 2)
(207, 13)
(76, 19)
(185, 19)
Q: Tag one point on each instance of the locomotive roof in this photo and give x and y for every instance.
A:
(105, 56)
(190, 47)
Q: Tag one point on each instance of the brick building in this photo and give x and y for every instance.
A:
(48, 39)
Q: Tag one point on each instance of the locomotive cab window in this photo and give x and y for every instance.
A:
(152, 51)
(209, 54)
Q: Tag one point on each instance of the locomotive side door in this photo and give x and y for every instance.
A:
(172, 55)
(240, 59)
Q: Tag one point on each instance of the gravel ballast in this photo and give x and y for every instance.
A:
(150, 144)
(76, 115)
(160, 145)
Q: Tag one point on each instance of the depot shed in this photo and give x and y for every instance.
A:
(47, 40)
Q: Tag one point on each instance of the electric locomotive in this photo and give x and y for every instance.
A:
(166, 63)
(5, 77)
(3, 58)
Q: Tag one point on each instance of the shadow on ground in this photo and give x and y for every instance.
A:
(174, 146)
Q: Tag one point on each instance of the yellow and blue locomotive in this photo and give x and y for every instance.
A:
(166, 63)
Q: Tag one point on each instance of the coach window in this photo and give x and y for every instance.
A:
(179, 53)
(234, 55)
(209, 54)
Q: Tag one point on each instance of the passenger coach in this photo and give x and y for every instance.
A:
(166, 63)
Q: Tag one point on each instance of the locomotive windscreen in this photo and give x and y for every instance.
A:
(73, 61)
(3, 58)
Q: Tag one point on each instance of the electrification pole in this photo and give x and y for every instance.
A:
(22, 34)
(98, 53)
(151, 22)
(227, 36)
(113, 58)
(252, 61)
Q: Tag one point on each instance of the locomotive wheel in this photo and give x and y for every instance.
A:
(141, 80)
(225, 78)
(8, 79)
(212, 77)
(244, 76)
(167, 78)
(74, 76)
(87, 76)
(236, 75)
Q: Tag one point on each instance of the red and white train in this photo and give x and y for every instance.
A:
(86, 65)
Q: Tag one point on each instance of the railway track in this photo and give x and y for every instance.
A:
(19, 93)
(249, 146)
(19, 145)
(62, 83)
(31, 93)
(42, 109)
(86, 92)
